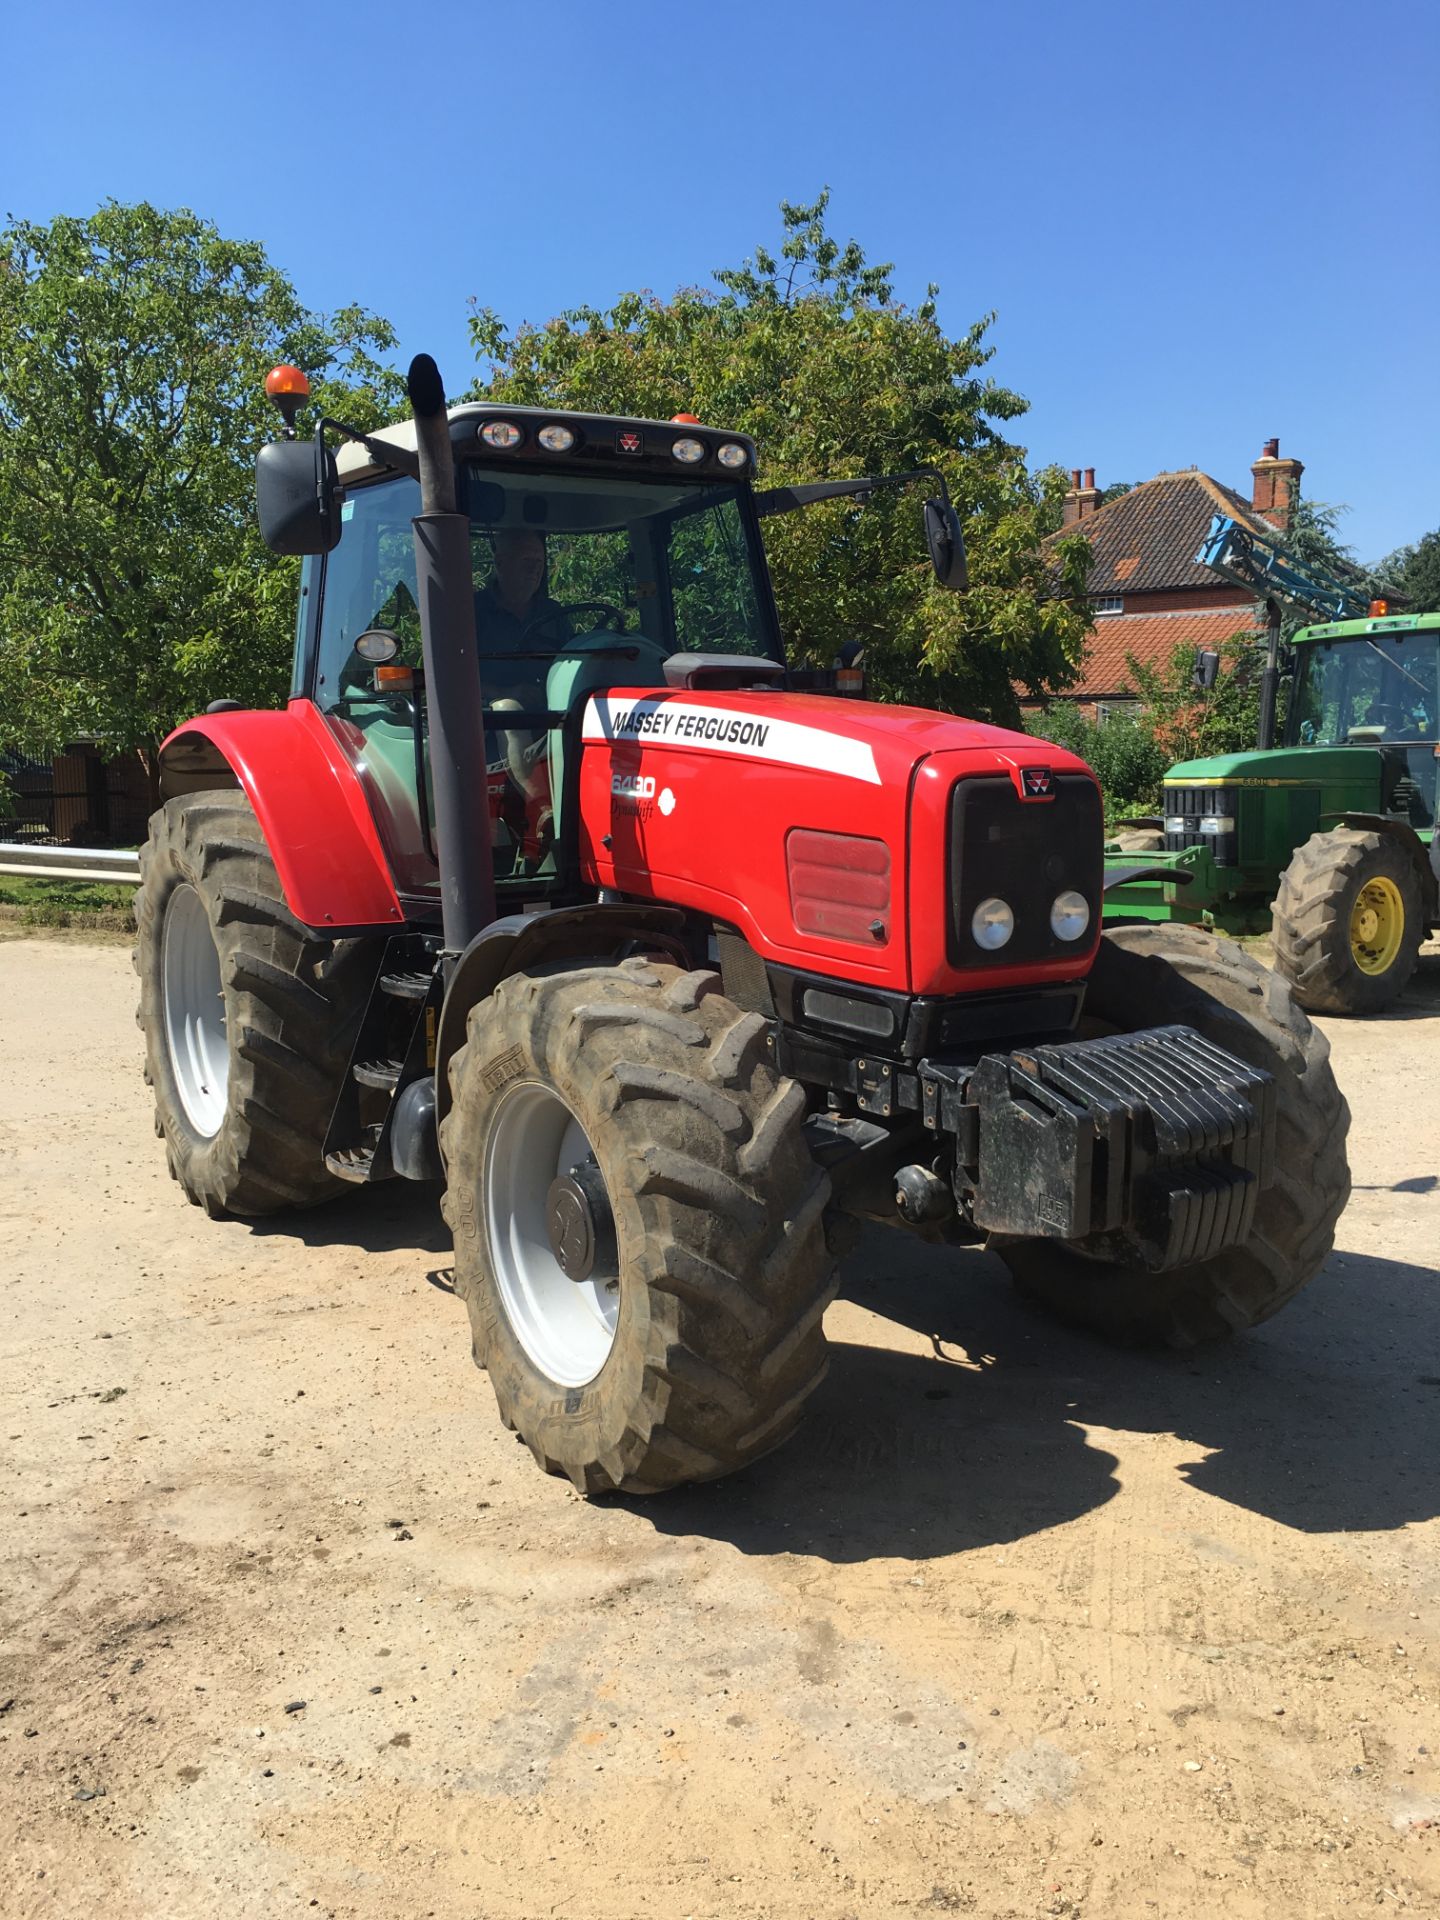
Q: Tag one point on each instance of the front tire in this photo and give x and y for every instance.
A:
(1348, 921)
(248, 1017)
(1157, 976)
(691, 1348)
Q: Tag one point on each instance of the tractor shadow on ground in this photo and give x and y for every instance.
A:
(397, 1216)
(1325, 1420)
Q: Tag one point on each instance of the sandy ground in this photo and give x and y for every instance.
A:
(1019, 1626)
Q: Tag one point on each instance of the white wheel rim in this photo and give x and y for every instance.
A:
(195, 1012)
(567, 1327)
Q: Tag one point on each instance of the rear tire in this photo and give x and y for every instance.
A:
(1339, 889)
(1156, 976)
(714, 1340)
(248, 1017)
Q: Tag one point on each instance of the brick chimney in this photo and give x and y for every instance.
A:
(1080, 501)
(1277, 485)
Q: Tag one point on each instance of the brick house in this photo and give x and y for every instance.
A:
(1148, 593)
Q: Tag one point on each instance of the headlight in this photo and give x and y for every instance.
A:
(503, 434)
(689, 450)
(992, 924)
(1069, 915)
(556, 439)
(1218, 823)
(1175, 823)
(732, 455)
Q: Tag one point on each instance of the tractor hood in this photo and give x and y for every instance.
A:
(1284, 766)
(729, 803)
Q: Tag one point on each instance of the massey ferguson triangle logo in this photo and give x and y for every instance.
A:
(1037, 783)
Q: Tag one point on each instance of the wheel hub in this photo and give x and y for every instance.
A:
(551, 1234)
(1377, 925)
(581, 1225)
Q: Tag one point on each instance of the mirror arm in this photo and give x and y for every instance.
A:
(789, 499)
(397, 459)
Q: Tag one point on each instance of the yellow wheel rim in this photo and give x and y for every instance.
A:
(1377, 925)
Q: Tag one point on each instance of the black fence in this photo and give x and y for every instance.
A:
(80, 799)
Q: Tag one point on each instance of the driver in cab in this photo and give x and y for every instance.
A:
(514, 611)
(515, 614)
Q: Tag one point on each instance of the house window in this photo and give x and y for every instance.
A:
(1112, 603)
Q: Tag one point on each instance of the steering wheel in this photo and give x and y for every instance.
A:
(1390, 715)
(549, 615)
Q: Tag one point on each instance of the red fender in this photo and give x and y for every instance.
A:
(308, 800)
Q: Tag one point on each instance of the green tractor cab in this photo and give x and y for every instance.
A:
(1327, 838)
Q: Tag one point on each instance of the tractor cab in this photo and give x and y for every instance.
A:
(1375, 683)
(603, 553)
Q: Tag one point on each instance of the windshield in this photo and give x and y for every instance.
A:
(554, 557)
(579, 584)
(1369, 689)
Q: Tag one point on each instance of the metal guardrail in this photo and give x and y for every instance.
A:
(119, 866)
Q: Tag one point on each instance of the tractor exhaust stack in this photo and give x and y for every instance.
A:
(453, 694)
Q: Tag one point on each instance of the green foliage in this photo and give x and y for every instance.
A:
(134, 587)
(1124, 754)
(1187, 723)
(809, 351)
(1414, 573)
(1131, 753)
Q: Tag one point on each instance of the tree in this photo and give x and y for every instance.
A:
(134, 587)
(1413, 573)
(808, 350)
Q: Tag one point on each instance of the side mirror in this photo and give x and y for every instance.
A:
(297, 497)
(1207, 669)
(947, 545)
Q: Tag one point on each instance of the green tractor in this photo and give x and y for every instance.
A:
(1327, 839)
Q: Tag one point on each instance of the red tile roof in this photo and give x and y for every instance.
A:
(1146, 541)
(1152, 638)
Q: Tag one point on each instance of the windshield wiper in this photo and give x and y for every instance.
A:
(1391, 662)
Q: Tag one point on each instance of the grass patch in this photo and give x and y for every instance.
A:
(67, 903)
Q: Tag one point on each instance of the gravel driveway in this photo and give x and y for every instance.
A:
(1018, 1625)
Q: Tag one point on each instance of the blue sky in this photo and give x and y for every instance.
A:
(1200, 226)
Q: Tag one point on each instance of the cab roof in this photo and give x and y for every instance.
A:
(1360, 629)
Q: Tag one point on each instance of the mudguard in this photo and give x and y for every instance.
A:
(310, 805)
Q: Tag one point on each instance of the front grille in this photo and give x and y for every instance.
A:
(1194, 804)
(1023, 852)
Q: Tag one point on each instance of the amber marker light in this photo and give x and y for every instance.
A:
(289, 389)
(684, 419)
(1379, 609)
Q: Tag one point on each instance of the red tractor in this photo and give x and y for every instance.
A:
(552, 880)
